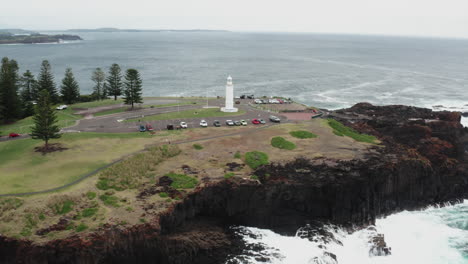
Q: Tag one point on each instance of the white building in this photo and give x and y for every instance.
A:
(229, 105)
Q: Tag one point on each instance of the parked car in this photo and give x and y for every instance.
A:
(61, 107)
(255, 121)
(275, 119)
(250, 96)
(170, 127)
(281, 101)
(237, 123)
(203, 123)
(13, 135)
(258, 101)
(243, 122)
(142, 128)
(229, 122)
(149, 127)
(216, 123)
(183, 124)
(262, 121)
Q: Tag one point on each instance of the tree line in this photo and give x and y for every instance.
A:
(20, 93)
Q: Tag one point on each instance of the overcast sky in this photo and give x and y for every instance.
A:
(441, 18)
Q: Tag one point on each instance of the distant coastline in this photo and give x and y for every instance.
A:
(142, 30)
(35, 38)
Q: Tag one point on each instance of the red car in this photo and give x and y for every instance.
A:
(149, 127)
(255, 121)
(13, 135)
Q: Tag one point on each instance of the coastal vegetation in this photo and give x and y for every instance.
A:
(256, 159)
(197, 146)
(341, 130)
(8, 38)
(282, 143)
(302, 134)
(182, 181)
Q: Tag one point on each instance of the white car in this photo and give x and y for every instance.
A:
(203, 123)
(243, 122)
(62, 107)
(183, 125)
(258, 101)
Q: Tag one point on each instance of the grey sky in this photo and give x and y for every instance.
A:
(393, 17)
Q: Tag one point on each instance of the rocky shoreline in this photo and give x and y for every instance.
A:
(422, 161)
(36, 38)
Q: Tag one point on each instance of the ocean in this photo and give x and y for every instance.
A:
(327, 71)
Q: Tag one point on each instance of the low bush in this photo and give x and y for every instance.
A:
(302, 134)
(91, 195)
(63, 207)
(341, 130)
(81, 227)
(109, 200)
(237, 155)
(197, 146)
(88, 212)
(281, 143)
(163, 194)
(229, 175)
(256, 159)
(182, 181)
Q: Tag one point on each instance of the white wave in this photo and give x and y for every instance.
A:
(432, 236)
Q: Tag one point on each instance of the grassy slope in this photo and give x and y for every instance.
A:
(24, 170)
(191, 113)
(341, 130)
(97, 103)
(24, 126)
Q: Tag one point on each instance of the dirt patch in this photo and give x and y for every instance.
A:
(50, 148)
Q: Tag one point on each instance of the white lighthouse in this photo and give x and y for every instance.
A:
(229, 106)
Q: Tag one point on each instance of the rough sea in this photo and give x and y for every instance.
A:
(328, 71)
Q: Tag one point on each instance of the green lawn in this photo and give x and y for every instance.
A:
(97, 103)
(24, 170)
(65, 118)
(191, 113)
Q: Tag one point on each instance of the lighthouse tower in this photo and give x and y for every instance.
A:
(229, 106)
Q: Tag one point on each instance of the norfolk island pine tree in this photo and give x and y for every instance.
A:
(45, 120)
(133, 88)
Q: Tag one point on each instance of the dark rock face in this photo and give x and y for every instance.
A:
(423, 162)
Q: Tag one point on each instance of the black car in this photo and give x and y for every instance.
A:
(170, 127)
(275, 119)
(216, 123)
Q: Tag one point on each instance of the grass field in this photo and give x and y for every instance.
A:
(23, 170)
(191, 113)
(24, 126)
(96, 103)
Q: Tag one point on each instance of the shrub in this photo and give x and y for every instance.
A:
(281, 143)
(341, 130)
(182, 181)
(163, 194)
(63, 207)
(142, 220)
(197, 146)
(91, 195)
(302, 134)
(41, 216)
(81, 227)
(237, 155)
(129, 209)
(109, 200)
(254, 177)
(229, 175)
(88, 212)
(256, 159)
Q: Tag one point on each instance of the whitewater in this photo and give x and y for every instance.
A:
(436, 235)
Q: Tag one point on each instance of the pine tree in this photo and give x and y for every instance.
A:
(28, 93)
(70, 90)
(9, 100)
(45, 119)
(99, 77)
(28, 86)
(46, 82)
(114, 81)
(133, 88)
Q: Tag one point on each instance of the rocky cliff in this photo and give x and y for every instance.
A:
(421, 161)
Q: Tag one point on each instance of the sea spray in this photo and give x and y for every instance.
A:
(436, 235)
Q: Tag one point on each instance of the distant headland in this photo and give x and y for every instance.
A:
(30, 37)
(142, 30)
